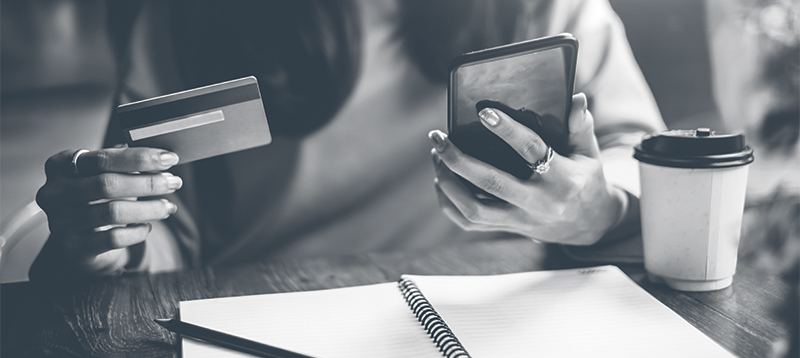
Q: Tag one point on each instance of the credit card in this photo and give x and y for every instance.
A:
(199, 123)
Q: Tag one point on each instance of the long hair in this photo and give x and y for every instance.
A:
(305, 53)
(436, 31)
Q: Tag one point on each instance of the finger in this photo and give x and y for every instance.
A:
(60, 224)
(116, 186)
(122, 212)
(60, 164)
(494, 181)
(446, 178)
(47, 197)
(581, 128)
(125, 160)
(99, 242)
(64, 192)
(455, 215)
(524, 140)
(473, 209)
(119, 160)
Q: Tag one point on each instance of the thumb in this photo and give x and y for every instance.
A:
(582, 140)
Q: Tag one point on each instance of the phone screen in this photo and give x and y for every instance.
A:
(531, 84)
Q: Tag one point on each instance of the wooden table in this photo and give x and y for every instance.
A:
(114, 316)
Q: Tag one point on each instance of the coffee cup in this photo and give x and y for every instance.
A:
(693, 186)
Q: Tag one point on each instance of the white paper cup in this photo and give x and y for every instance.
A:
(693, 189)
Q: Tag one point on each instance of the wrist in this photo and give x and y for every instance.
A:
(622, 203)
(626, 221)
(602, 215)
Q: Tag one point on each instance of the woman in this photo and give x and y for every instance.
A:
(351, 89)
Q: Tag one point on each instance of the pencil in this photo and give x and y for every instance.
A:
(226, 340)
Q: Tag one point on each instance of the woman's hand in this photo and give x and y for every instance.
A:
(94, 214)
(570, 204)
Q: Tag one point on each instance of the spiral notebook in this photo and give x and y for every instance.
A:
(566, 313)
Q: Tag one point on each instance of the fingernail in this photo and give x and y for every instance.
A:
(173, 182)
(438, 139)
(169, 159)
(171, 208)
(489, 116)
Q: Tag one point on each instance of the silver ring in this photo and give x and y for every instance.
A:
(543, 165)
(75, 160)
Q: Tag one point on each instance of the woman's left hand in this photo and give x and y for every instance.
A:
(570, 204)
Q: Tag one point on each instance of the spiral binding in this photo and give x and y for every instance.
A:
(439, 332)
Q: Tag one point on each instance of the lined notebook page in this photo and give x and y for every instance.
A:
(362, 321)
(571, 313)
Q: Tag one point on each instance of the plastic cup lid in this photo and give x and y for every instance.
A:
(694, 148)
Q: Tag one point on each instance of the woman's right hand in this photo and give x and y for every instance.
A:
(94, 214)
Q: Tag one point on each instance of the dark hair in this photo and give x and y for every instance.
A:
(305, 53)
(434, 32)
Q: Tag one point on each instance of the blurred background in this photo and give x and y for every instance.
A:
(730, 65)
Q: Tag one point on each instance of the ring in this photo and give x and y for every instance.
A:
(542, 165)
(75, 160)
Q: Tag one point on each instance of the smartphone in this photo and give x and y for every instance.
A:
(531, 81)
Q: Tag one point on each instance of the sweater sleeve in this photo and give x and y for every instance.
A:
(621, 102)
